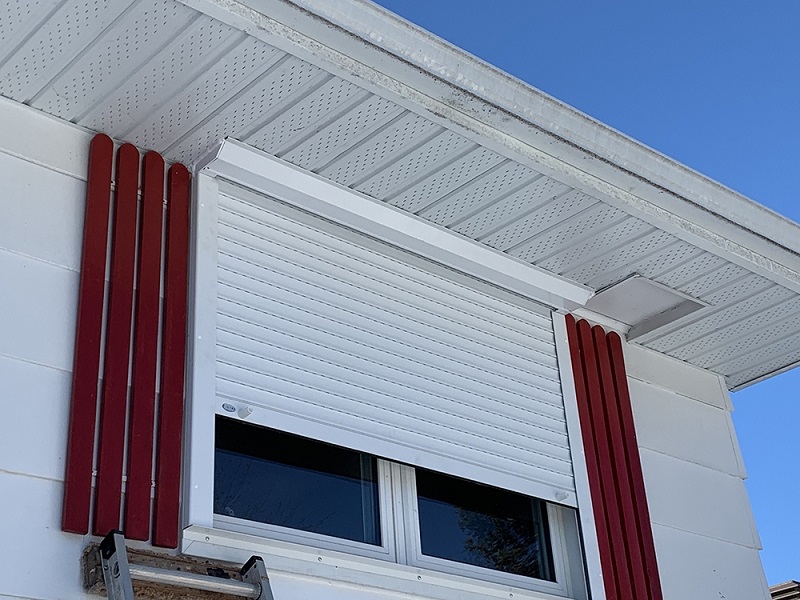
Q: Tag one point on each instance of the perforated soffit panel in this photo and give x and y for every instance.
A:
(168, 77)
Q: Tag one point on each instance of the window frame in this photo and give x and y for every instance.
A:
(401, 538)
(385, 551)
(406, 488)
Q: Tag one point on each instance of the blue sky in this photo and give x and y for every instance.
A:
(715, 85)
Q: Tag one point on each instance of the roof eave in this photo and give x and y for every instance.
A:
(485, 82)
(425, 73)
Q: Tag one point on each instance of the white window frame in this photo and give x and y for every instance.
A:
(401, 538)
(567, 583)
(216, 536)
(385, 551)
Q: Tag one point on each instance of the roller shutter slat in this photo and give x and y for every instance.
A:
(337, 329)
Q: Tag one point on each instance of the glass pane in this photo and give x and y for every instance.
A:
(273, 477)
(479, 525)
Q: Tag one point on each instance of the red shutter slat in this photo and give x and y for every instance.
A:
(168, 466)
(118, 336)
(616, 483)
(145, 355)
(644, 529)
(590, 444)
(605, 464)
(631, 551)
(86, 362)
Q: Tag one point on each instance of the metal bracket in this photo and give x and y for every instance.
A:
(119, 575)
(116, 572)
(254, 572)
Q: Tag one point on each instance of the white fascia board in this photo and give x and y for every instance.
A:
(266, 174)
(386, 55)
(765, 376)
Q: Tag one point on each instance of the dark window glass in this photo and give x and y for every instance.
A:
(479, 525)
(273, 477)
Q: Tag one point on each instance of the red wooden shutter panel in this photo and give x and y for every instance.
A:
(625, 538)
(145, 356)
(111, 445)
(116, 402)
(88, 340)
(170, 425)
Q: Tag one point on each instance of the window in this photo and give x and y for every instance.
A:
(414, 387)
(296, 489)
(281, 479)
(479, 525)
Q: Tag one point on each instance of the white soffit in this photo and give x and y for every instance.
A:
(369, 102)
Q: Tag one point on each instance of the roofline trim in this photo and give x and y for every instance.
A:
(486, 82)
(328, 34)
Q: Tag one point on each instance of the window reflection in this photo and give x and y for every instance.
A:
(273, 477)
(479, 525)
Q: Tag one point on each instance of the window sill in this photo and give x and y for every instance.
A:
(309, 567)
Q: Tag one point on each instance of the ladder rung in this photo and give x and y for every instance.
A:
(119, 575)
(194, 581)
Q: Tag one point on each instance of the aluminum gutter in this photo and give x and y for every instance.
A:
(424, 73)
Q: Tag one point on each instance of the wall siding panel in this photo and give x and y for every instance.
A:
(33, 401)
(38, 323)
(704, 439)
(36, 222)
(702, 522)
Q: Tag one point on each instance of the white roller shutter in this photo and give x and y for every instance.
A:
(330, 333)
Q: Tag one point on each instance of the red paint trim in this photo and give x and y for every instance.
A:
(86, 362)
(639, 495)
(145, 356)
(118, 338)
(627, 551)
(166, 518)
(621, 572)
(590, 444)
(630, 552)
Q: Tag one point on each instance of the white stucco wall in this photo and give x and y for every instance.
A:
(706, 539)
(40, 243)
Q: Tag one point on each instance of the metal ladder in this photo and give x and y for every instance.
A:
(119, 575)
